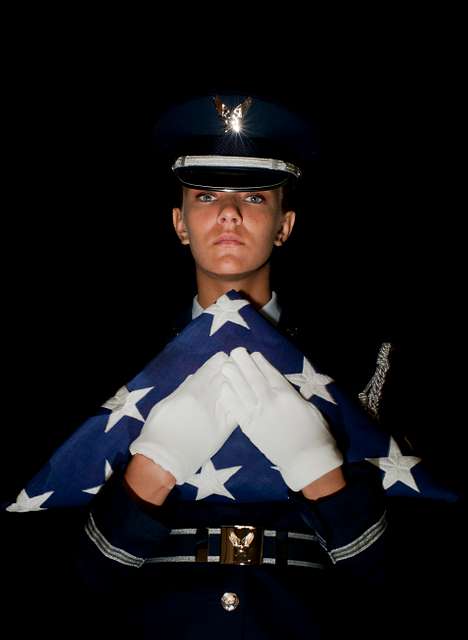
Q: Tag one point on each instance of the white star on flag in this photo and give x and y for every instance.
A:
(226, 310)
(311, 383)
(396, 467)
(211, 481)
(25, 503)
(124, 404)
(107, 474)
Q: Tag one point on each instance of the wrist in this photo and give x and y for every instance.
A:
(147, 480)
(327, 484)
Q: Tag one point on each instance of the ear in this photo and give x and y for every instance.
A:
(179, 225)
(286, 226)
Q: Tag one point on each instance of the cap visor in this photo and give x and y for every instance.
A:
(234, 179)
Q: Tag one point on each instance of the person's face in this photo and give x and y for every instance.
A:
(232, 234)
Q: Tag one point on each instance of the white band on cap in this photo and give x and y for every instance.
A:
(239, 162)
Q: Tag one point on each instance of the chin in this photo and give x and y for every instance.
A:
(229, 266)
(231, 269)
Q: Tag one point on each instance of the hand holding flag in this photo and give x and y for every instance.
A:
(190, 425)
(287, 429)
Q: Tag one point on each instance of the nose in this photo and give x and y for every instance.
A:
(230, 213)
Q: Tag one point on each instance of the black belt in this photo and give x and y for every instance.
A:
(242, 545)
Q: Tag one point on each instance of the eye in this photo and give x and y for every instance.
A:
(206, 197)
(255, 198)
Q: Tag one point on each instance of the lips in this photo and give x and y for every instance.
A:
(228, 238)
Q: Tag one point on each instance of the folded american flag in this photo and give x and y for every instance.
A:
(238, 471)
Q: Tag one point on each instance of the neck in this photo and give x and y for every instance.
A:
(255, 287)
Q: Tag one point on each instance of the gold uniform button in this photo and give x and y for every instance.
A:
(229, 601)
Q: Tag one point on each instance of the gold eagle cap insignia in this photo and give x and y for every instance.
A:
(232, 118)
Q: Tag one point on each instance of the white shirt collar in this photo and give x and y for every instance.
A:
(271, 310)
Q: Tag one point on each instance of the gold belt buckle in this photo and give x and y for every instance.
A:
(241, 544)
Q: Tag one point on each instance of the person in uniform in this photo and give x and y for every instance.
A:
(152, 563)
(237, 160)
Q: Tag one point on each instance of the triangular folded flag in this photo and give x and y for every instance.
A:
(238, 471)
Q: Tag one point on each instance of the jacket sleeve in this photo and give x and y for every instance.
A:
(351, 524)
(118, 537)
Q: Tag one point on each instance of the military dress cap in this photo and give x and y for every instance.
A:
(235, 143)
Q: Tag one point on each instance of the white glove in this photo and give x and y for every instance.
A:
(288, 429)
(187, 427)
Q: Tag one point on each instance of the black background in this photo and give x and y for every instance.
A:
(90, 257)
